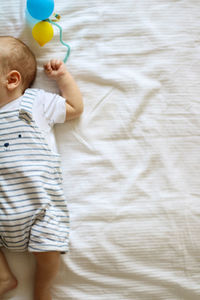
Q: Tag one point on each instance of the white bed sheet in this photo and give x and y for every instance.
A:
(131, 163)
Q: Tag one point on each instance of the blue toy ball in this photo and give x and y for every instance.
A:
(40, 9)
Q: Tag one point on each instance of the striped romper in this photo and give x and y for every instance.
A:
(33, 210)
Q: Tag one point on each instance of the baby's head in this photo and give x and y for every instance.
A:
(18, 62)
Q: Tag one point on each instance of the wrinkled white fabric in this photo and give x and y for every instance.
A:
(131, 162)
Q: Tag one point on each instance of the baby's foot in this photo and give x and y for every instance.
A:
(7, 285)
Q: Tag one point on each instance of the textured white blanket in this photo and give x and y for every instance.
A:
(131, 163)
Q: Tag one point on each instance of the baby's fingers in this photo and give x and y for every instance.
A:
(55, 64)
(47, 67)
(55, 68)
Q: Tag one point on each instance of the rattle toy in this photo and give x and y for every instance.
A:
(38, 13)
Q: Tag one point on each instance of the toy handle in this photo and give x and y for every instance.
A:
(61, 40)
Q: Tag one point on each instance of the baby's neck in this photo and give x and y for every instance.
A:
(7, 98)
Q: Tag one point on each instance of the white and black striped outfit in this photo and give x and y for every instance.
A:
(33, 210)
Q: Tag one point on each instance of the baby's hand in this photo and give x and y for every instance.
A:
(55, 69)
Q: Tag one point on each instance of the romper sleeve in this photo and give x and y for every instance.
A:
(53, 106)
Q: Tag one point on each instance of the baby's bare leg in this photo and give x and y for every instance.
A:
(47, 264)
(7, 279)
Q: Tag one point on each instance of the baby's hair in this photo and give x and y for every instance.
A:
(17, 56)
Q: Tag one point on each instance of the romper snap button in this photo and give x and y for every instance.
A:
(6, 145)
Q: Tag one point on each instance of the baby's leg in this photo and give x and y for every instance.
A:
(47, 264)
(7, 279)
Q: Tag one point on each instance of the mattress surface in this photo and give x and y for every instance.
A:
(131, 162)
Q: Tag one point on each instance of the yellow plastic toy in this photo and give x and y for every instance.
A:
(43, 32)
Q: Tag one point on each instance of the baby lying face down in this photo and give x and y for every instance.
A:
(33, 210)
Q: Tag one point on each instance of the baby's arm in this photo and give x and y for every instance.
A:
(57, 70)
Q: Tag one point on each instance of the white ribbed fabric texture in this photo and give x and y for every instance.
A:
(131, 163)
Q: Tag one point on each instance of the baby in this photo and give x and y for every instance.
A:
(33, 211)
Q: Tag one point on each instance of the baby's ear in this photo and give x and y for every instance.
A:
(13, 80)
